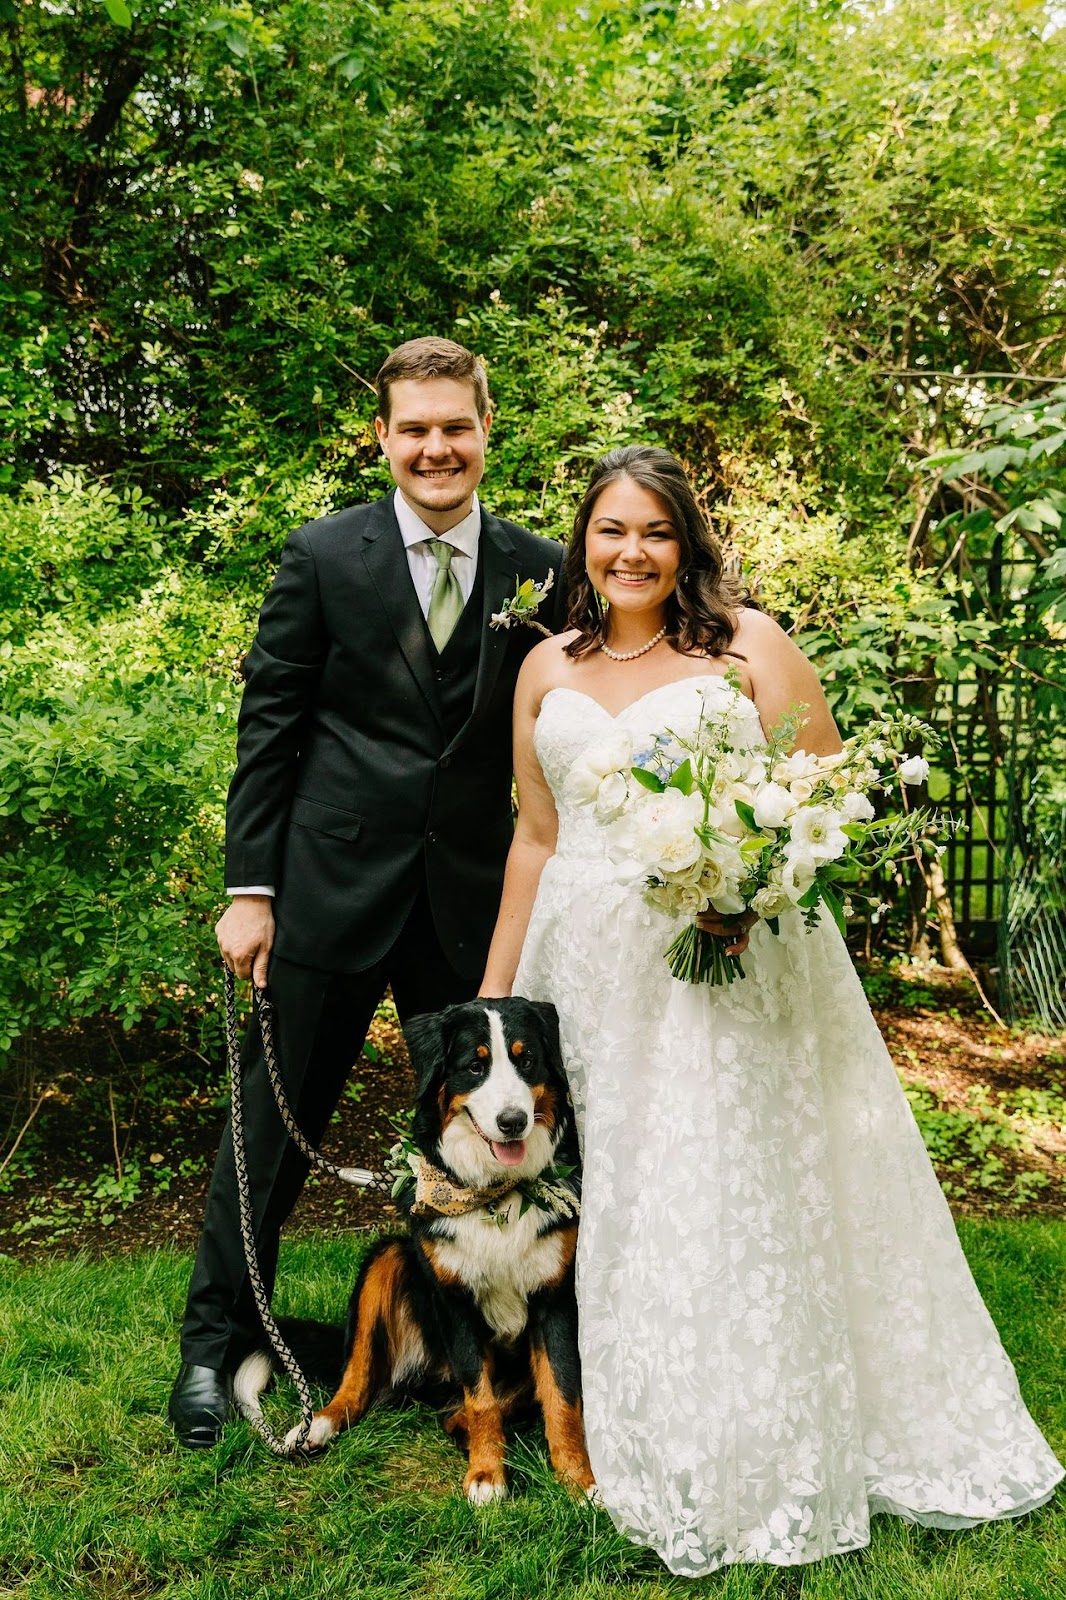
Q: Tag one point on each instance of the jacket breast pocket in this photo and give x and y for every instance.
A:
(317, 817)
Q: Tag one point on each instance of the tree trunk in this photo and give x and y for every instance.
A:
(950, 951)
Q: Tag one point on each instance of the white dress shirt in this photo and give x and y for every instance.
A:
(417, 537)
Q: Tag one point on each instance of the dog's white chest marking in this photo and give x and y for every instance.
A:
(502, 1265)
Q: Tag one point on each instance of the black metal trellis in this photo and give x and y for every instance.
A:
(1002, 773)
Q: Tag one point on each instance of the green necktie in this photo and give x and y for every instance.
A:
(446, 601)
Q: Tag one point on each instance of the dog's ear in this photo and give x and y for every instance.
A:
(548, 1018)
(425, 1042)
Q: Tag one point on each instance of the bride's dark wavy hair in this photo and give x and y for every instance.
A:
(700, 612)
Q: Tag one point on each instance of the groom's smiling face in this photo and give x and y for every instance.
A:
(434, 442)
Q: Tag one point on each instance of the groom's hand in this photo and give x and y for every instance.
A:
(245, 933)
(733, 929)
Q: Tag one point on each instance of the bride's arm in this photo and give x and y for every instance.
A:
(781, 679)
(535, 831)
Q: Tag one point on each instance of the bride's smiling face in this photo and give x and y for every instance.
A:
(631, 548)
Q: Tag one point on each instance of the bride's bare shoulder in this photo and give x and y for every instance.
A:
(546, 666)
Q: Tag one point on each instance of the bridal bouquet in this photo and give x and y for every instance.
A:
(707, 821)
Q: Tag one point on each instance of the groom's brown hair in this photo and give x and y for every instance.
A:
(432, 358)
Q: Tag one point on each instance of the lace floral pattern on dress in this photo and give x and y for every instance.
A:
(779, 1331)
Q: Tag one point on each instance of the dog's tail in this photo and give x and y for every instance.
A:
(319, 1351)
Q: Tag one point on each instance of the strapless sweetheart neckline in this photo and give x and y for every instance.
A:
(616, 716)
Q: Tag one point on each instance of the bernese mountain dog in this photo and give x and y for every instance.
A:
(473, 1308)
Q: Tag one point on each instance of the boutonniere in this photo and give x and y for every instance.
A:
(523, 605)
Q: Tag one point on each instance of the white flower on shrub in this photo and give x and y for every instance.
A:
(914, 770)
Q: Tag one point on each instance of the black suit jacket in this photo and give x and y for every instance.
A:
(349, 794)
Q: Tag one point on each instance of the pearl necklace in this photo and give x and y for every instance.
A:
(631, 655)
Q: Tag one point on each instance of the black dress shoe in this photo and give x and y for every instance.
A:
(200, 1402)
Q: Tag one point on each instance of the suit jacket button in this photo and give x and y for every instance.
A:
(445, 761)
(431, 838)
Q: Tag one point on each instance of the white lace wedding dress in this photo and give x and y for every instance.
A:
(779, 1332)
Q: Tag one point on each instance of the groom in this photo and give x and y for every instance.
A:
(369, 818)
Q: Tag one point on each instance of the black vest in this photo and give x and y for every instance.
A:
(455, 667)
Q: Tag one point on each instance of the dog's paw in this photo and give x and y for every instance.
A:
(484, 1491)
(322, 1431)
(594, 1496)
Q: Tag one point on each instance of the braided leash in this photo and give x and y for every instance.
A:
(358, 1176)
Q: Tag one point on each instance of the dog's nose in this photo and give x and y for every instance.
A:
(512, 1122)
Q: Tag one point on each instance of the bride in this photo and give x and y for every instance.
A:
(779, 1331)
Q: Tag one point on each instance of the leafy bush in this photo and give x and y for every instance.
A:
(111, 810)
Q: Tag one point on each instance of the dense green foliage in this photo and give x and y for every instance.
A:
(808, 246)
(96, 1500)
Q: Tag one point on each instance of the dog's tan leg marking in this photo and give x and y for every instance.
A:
(382, 1303)
(512, 1401)
(564, 1427)
(485, 1480)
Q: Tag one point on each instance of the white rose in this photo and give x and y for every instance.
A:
(771, 901)
(773, 806)
(801, 789)
(914, 770)
(857, 808)
(798, 765)
(690, 902)
(722, 869)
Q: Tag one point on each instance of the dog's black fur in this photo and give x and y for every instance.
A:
(475, 1313)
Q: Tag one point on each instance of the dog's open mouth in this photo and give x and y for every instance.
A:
(508, 1152)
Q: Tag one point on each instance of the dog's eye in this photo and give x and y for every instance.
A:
(480, 1065)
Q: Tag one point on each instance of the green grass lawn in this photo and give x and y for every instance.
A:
(96, 1500)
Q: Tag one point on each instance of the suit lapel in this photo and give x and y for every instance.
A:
(386, 563)
(499, 576)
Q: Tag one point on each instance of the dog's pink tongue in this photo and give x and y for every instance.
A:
(510, 1154)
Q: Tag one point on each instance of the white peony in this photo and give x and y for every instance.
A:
(914, 770)
(773, 806)
(611, 797)
(611, 755)
(659, 831)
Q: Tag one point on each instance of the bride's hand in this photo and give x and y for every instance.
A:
(735, 929)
